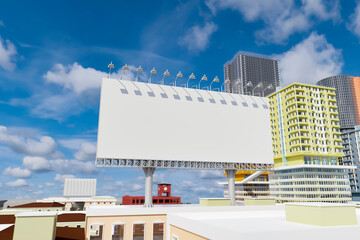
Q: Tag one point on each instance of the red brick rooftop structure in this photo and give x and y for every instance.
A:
(40, 205)
(71, 217)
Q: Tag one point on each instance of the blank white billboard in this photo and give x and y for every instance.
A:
(79, 187)
(156, 122)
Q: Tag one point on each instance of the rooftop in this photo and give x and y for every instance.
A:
(79, 199)
(39, 205)
(37, 214)
(300, 84)
(250, 54)
(218, 223)
(315, 166)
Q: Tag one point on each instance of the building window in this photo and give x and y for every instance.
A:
(139, 231)
(307, 159)
(158, 231)
(325, 161)
(316, 160)
(96, 232)
(118, 232)
(333, 161)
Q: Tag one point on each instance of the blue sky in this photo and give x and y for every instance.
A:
(53, 55)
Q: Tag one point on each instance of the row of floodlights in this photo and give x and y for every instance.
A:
(192, 76)
(166, 73)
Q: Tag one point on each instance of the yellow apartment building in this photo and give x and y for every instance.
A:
(306, 142)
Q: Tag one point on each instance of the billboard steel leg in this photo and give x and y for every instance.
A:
(149, 173)
(231, 183)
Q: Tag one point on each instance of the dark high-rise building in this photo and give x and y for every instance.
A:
(347, 98)
(251, 74)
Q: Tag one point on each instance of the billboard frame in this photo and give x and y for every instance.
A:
(167, 164)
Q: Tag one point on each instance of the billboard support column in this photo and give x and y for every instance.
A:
(231, 184)
(149, 173)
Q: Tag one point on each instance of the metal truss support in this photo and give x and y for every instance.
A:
(231, 185)
(149, 173)
(140, 163)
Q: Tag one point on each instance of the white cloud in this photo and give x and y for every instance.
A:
(87, 152)
(136, 187)
(211, 174)
(282, 18)
(72, 143)
(79, 79)
(17, 183)
(114, 186)
(108, 178)
(7, 54)
(197, 38)
(73, 166)
(42, 147)
(40, 164)
(157, 178)
(310, 61)
(17, 172)
(39, 192)
(57, 106)
(75, 77)
(61, 178)
(36, 164)
(190, 187)
(49, 184)
(123, 188)
(354, 24)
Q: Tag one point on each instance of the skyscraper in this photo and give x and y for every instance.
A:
(348, 101)
(351, 148)
(307, 145)
(347, 97)
(251, 74)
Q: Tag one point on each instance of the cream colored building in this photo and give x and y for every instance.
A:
(193, 222)
(81, 203)
(35, 225)
(79, 194)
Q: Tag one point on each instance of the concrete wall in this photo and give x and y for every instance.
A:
(35, 227)
(215, 201)
(128, 221)
(321, 215)
(259, 201)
